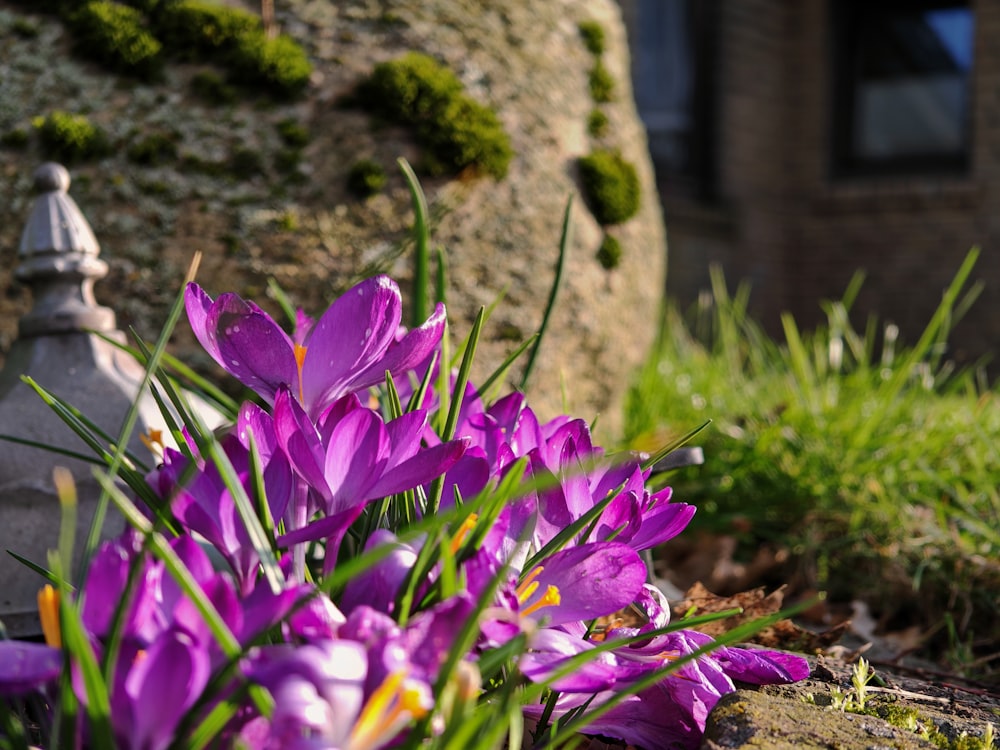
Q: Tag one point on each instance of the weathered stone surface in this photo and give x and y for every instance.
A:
(749, 719)
(800, 715)
(525, 58)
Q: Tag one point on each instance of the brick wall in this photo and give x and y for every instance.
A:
(780, 220)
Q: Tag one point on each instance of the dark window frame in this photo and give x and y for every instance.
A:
(844, 160)
(697, 178)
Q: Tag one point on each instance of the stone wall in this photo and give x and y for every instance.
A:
(525, 59)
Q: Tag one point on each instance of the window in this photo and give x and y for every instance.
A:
(902, 86)
(673, 50)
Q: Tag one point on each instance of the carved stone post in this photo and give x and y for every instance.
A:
(58, 259)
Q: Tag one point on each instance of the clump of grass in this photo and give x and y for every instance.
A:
(117, 36)
(597, 123)
(279, 65)
(868, 459)
(602, 83)
(201, 30)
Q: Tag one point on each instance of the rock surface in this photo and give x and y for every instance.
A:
(526, 59)
(801, 716)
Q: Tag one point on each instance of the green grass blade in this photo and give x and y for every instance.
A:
(421, 237)
(455, 407)
(441, 277)
(553, 293)
(279, 295)
(162, 550)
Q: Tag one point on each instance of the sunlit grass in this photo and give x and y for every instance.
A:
(874, 462)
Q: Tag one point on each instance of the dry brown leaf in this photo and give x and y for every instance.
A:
(755, 604)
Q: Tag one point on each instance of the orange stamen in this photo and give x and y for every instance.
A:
(48, 613)
(153, 440)
(527, 587)
(550, 598)
(380, 717)
(300, 358)
(463, 531)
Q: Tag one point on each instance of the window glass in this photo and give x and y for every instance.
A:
(906, 77)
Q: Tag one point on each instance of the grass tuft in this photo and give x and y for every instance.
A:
(872, 462)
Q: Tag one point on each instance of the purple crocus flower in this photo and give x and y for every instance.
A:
(359, 691)
(27, 667)
(158, 687)
(349, 348)
(351, 457)
(672, 713)
(204, 505)
(378, 586)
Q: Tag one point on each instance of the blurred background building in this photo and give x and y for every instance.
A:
(797, 141)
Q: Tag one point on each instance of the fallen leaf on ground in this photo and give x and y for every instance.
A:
(755, 603)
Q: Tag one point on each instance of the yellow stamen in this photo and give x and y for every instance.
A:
(527, 586)
(300, 358)
(48, 612)
(463, 531)
(380, 717)
(550, 598)
(153, 440)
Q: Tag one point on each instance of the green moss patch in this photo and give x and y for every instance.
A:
(592, 34)
(457, 131)
(117, 36)
(366, 178)
(610, 186)
(70, 138)
(609, 254)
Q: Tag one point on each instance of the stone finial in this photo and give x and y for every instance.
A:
(58, 259)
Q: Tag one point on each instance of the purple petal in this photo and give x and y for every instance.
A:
(331, 528)
(551, 649)
(421, 469)
(162, 686)
(593, 580)
(403, 356)
(252, 347)
(430, 635)
(352, 334)
(355, 458)
(198, 306)
(405, 433)
(664, 521)
(378, 585)
(257, 421)
(27, 666)
(762, 667)
(300, 442)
